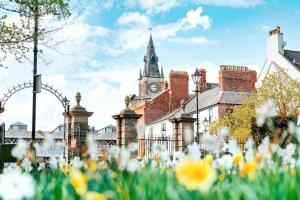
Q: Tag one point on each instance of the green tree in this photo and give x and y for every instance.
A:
(18, 38)
(278, 86)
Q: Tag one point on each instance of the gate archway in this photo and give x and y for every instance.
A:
(15, 89)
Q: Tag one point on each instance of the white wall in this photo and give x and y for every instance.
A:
(205, 114)
(156, 128)
(275, 58)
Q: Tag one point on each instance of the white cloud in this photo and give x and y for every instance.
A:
(192, 41)
(135, 37)
(153, 6)
(232, 3)
(157, 6)
(134, 17)
(194, 19)
(264, 27)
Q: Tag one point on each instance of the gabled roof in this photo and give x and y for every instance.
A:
(293, 57)
(208, 99)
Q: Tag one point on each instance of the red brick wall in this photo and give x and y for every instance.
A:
(223, 109)
(179, 88)
(238, 79)
(156, 107)
(202, 83)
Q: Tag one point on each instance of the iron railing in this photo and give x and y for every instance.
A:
(148, 146)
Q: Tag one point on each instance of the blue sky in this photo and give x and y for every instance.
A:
(106, 41)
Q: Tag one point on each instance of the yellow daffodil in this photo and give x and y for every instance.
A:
(237, 159)
(195, 174)
(95, 196)
(79, 182)
(92, 165)
(259, 157)
(209, 159)
(222, 177)
(64, 167)
(292, 171)
(249, 169)
(113, 174)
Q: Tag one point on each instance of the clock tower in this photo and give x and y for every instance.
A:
(151, 78)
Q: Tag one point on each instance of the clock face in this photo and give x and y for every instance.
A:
(153, 87)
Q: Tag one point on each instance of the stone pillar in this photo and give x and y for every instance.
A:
(183, 124)
(126, 125)
(78, 125)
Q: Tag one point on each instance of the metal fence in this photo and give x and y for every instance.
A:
(147, 146)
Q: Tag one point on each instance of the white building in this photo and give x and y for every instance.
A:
(278, 56)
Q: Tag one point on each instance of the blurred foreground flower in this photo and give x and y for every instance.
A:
(195, 174)
(19, 151)
(78, 181)
(249, 169)
(95, 196)
(14, 185)
(265, 112)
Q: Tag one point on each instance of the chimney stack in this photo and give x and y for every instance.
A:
(179, 88)
(237, 78)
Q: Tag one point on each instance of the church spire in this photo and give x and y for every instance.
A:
(151, 68)
(140, 76)
(162, 72)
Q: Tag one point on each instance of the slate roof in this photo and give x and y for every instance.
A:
(293, 57)
(18, 124)
(207, 99)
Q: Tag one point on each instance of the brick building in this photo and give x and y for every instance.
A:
(159, 100)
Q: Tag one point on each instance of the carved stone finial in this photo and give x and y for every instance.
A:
(78, 98)
(127, 100)
(183, 104)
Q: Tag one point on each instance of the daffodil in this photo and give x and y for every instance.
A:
(95, 196)
(237, 159)
(78, 181)
(249, 169)
(92, 165)
(209, 159)
(195, 174)
(221, 177)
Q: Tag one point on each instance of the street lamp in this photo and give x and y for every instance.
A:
(196, 79)
(205, 123)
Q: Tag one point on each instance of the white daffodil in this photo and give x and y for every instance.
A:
(264, 149)
(16, 186)
(76, 163)
(133, 147)
(266, 111)
(224, 162)
(297, 131)
(292, 127)
(132, 165)
(42, 166)
(26, 165)
(20, 149)
(211, 143)
(53, 163)
(49, 142)
(223, 132)
(194, 151)
(124, 157)
(92, 148)
(233, 147)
